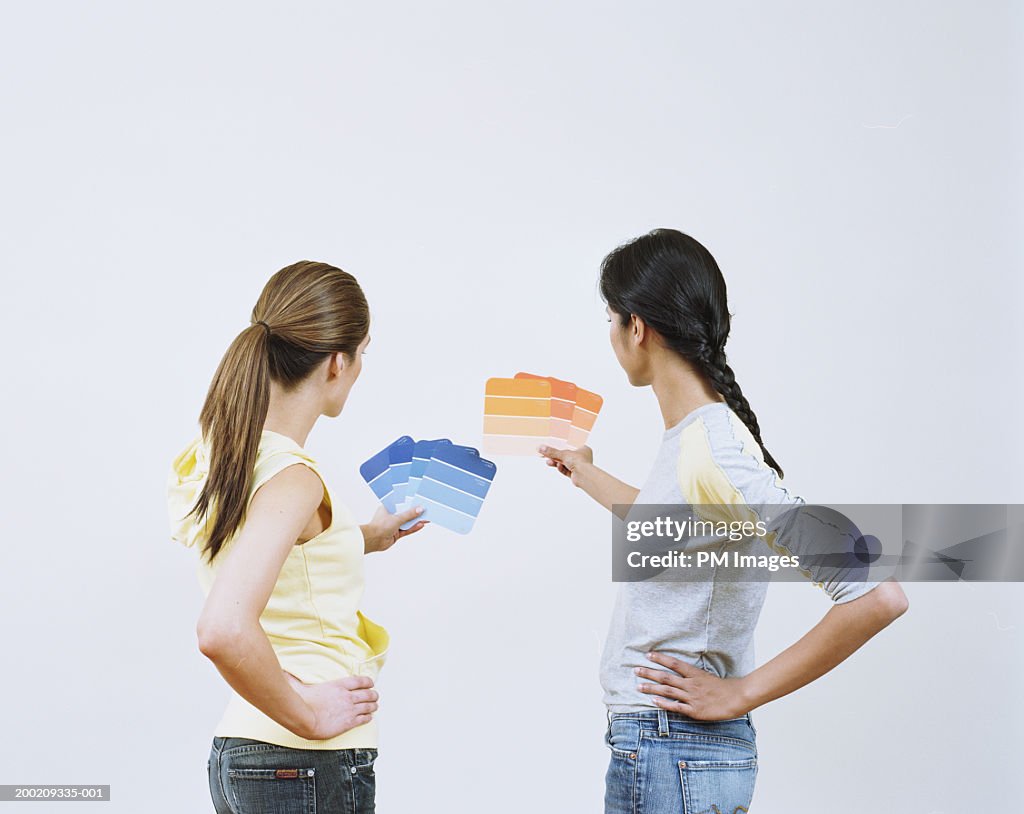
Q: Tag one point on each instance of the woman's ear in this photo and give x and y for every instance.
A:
(637, 329)
(337, 364)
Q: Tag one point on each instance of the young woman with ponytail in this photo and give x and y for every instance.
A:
(677, 671)
(281, 557)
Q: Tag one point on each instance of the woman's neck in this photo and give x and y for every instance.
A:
(680, 390)
(292, 414)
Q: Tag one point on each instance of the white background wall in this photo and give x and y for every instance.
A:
(855, 169)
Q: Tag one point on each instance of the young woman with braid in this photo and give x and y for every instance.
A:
(677, 671)
(281, 557)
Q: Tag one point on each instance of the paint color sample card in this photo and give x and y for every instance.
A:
(399, 464)
(379, 470)
(515, 414)
(584, 414)
(563, 405)
(453, 487)
(448, 480)
(421, 453)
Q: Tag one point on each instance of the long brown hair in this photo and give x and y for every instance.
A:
(306, 312)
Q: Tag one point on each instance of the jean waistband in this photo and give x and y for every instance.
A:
(659, 718)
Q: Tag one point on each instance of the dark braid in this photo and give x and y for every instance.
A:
(717, 369)
(672, 282)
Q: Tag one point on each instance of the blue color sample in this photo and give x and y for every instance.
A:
(454, 485)
(420, 458)
(449, 481)
(377, 473)
(400, 461)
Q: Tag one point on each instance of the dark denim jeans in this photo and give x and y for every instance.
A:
(253, 777)
(667, 763)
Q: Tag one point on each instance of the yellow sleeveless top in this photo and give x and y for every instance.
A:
(312, 618)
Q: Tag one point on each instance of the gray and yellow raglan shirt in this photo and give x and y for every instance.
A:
(709, 458)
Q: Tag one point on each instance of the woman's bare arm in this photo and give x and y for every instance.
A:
(845, 628)
(229, 631)
(842, 631)
(578, 466)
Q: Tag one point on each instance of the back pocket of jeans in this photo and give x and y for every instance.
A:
(725, 786)
(284, 790)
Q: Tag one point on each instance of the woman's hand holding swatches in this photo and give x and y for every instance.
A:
(578, 466)
(384, 530)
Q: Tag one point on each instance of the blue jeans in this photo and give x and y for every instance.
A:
(253, 777)
(664, 762)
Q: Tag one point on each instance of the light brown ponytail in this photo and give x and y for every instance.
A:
(306, 311)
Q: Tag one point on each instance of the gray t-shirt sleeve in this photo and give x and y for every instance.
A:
(825, 543)
(738, 485)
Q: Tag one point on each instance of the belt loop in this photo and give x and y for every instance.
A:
(662, 723)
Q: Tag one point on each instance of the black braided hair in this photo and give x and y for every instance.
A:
(673, 284)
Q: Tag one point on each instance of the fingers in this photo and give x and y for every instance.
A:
(684, 668)
(364, 696)
(359, 720)
(367, 709)
(411, 529)
(552, 453)
(356, 682)
(408, 514)
(566, 459)
(555, 457)
(665, 691)
(668, 679)
(676, 706)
